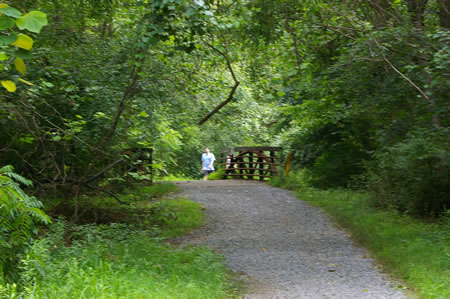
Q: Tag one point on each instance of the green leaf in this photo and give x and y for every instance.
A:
(200, 2)
(190, 11)
(143, 114)
(100, 115)
(24, 54)
(3, 57)
(11, 12)
(396, 3)
(269, 96)
(6, 23)
(32, 21)
(26, 139)
(7, 39)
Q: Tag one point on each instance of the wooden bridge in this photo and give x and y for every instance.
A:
(256, 162)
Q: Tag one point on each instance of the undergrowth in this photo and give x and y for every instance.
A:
(140, 205)
(124, 257)
(118, 261)
(415, 251)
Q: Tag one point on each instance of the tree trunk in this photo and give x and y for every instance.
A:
(416, 9)
(444, 14)
(298, 57)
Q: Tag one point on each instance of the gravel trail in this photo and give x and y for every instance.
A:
(284, 247)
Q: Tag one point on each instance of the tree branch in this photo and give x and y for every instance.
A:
(296, 51)
(398, 72)
(98, 174)
(233, 89)
(109, 193)
(230, 97)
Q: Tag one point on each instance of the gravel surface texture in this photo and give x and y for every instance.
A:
(282, 246)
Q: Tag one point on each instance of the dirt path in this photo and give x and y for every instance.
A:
(284, 247)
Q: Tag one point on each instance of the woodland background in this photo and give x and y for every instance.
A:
(356, 90)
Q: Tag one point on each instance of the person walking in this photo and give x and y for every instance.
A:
(208, 159)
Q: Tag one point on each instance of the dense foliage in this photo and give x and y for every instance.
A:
(363, 93)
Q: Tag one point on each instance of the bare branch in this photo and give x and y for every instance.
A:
(233, 89)
(230, 97)
(109, 193)
(98, 174)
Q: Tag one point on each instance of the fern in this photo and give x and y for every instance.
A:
(19, 216)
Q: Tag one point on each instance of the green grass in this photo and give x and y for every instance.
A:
(173, 178)
(117, 261)
(157, 190)
(127, 259)
(413, 250)
(187, 215)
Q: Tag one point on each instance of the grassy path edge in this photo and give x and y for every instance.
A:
(411, 250)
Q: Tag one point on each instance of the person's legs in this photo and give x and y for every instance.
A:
(205, 175)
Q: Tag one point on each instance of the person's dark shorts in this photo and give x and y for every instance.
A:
(206, 172)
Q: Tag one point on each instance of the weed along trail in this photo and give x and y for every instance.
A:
(281, 246)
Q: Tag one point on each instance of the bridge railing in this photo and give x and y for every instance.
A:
(253, 162)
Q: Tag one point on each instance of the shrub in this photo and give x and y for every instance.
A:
(331, 153)
(336, 166)
(293, 181)
(217, 175)
(412, 176)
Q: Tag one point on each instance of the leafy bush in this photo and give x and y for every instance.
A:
(19, 216)
(336, 166)
(332, 153)
(217, 175)
(412, 176)
(293, 181)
